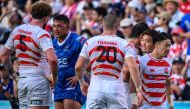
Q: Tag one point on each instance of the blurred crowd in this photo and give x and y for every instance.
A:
(170, 16)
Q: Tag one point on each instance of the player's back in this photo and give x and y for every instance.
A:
(29, 43)
(106, 54)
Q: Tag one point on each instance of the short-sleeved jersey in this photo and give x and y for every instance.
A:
(68, 51)
(106, 56)
(30, 43)
(154, 73)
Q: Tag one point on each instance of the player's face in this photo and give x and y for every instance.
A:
(176, 68)
(3, 74)
(59, 28)
(147, 45)
(164, 47)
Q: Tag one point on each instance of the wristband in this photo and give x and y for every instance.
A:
(133, 98)
(171, 100)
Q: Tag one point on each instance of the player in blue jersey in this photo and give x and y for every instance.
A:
(67, 46)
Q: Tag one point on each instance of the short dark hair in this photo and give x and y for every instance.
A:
(110, 21)
(153, 33)
(62, 18)
(101, 11)
(162, 37)
(166, 35)
(138, 29)
(41, 10)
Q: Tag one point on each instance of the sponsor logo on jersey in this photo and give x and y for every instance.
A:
(62, 62)
(152, 70)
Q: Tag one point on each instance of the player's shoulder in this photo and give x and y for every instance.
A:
(144, 58)
(16, 29)
(168, 60)
(79, 39)
(92, 39)
(42, 33)
(123, 41)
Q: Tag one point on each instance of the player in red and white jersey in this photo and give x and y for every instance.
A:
(155, 69)
(148, 38)
(106, 54)
(34, 49)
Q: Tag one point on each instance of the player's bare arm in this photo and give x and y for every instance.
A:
(4, 55)
(79, 69)
(169, 94)
(132, 89)
(52, 60)
(135, 75)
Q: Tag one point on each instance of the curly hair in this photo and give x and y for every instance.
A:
(40, 10)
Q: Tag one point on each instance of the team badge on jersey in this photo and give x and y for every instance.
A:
(166, 70)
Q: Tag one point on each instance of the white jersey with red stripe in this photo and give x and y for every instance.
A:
(154, 73)
(106, 55)
(30, 42)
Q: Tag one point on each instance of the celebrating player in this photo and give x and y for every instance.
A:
(156, 71)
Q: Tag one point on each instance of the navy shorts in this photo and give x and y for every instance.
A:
(64, 90)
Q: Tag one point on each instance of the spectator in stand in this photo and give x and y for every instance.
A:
(179, 46)
(94, 26)
(185, 25)
(126, 27)
(172, 7)
(84, 18)
(27, 17)
(69, 8)
(184, 6)
(138, 11)
(150, 17)
(178, 81)
(7, 9)
(185, 72)
(163, 21)
(83, 3)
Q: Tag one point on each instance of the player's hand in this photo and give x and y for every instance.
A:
(84, 88)
(73, 80)
(52, 82)
(134, 106)
(171, 107)
(140, 98)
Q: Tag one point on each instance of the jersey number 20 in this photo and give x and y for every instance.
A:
(106, 51)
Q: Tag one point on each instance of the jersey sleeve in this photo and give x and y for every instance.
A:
(10, 42)
(130, 51)
(140, 65)
(84, 51)
(45, 42)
